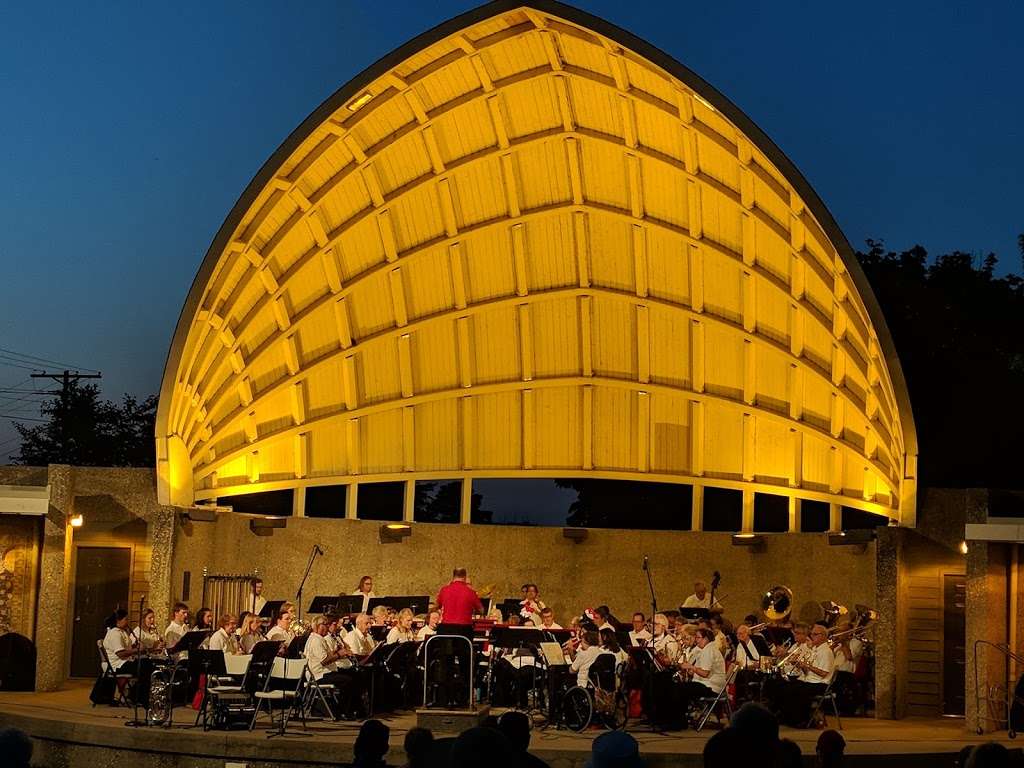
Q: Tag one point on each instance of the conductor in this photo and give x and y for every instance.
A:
(458, 601)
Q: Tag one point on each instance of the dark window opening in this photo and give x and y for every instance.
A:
(814, 516)
(272, 503)
(380, 501)
(326, 501)
(438, 501)
(859, 520)
(771, 513)
(723, 509)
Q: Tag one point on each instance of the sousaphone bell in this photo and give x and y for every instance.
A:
(777, 603)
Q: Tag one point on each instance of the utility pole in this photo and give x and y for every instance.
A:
(65, 379)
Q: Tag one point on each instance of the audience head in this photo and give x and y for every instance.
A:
(16, 747)
(516, 727)
(615, 749)
(371, 743)
(417, 745)
(990, 755)
(481, 747)
(788, 754)
(830, 748)
(732, 747)
(963, 755)
(756, 723)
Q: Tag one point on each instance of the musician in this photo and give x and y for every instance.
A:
(365, 588)
(178, 626)
(748, 658)
(335, 636)
(816, 669)
(590, 648)
(250, 634)
(224, 638)
(330, 664)
(123, 657)
(611, 644)
(402, 632)
(701, 598)
(379, 615)
(639, 634)
(457, 600)
(150, 637)
(715, 624)
(604, 618)
(547, 619)
(430, 628)
(847, 649)
(359, 640)
(531, 605)
(663, 643)
(258, 600)
(515, 671)
(281, 629)
(708, 671)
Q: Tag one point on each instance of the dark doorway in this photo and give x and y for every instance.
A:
(954, 640)
(101, 585)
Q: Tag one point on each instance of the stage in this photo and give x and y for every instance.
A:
(69, 731)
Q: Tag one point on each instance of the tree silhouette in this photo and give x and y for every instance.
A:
(83, 430)
(959, 333)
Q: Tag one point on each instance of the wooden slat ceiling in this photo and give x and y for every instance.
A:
(527, 249)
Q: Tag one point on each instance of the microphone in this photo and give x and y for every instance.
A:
(645, 563)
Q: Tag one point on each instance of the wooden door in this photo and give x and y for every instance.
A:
(102, 581)
(954, 640)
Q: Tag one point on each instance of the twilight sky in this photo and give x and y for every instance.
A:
(128, 130)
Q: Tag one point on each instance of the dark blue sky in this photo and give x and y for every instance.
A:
(128, 131)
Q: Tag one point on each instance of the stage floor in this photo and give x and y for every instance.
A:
(65, 718)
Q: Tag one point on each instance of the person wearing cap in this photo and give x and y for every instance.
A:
(615, 749)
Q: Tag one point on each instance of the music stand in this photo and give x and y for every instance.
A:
(514, 637)
(486, 603)
(459, 630)
(777, 635)
(510, 607)
(761, 645)
(694, 614)
(560, 636)
(346, 605)
(415, 603)
(326, 604)
(190, 641)
(269, 611)
(379, 632)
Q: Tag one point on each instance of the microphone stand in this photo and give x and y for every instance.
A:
(309, 566)
(138, 673)
(650, 585)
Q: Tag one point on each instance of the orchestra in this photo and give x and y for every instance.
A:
(676, 662)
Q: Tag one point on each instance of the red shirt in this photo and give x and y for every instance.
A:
(457, 601)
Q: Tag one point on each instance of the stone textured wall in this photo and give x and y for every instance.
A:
(19, 555)
(606, 568)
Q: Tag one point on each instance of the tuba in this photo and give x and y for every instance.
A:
(777, 603)
(159, 711)
(831, 613)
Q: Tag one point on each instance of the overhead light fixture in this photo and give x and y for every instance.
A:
(360, 101)
(576, 535)
(852, 538)
(264, 526)
(77, 521)
(753, 541)
(393, 533)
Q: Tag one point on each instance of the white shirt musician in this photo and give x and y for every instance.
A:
(402, 631)
(147, 632)
(178, 626)
(365, 589)
(280, 630)
(256, 600)
(747, 655)
(585, 657)
(359, 640)
(701, 598)
(547, 620)
(118, 645)
(531, 606)
(709, 667)
(821, 661)
(639, 634)
(224, 639)
(662, 642)
(430, 628)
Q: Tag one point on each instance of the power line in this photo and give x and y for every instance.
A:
(28, 357)
(65, 379)
(15, 417)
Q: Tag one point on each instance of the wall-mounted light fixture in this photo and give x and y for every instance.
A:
(77, 521)
(747, 540)
(963, 548)
(576, 535)
(393, 533)
(264, 526)
(852, 538)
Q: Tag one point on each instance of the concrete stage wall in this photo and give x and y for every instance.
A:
(606, 568)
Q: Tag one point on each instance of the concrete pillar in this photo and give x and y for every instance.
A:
(986, 620)
(890, 633)
(160, 538)
(54, 580)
